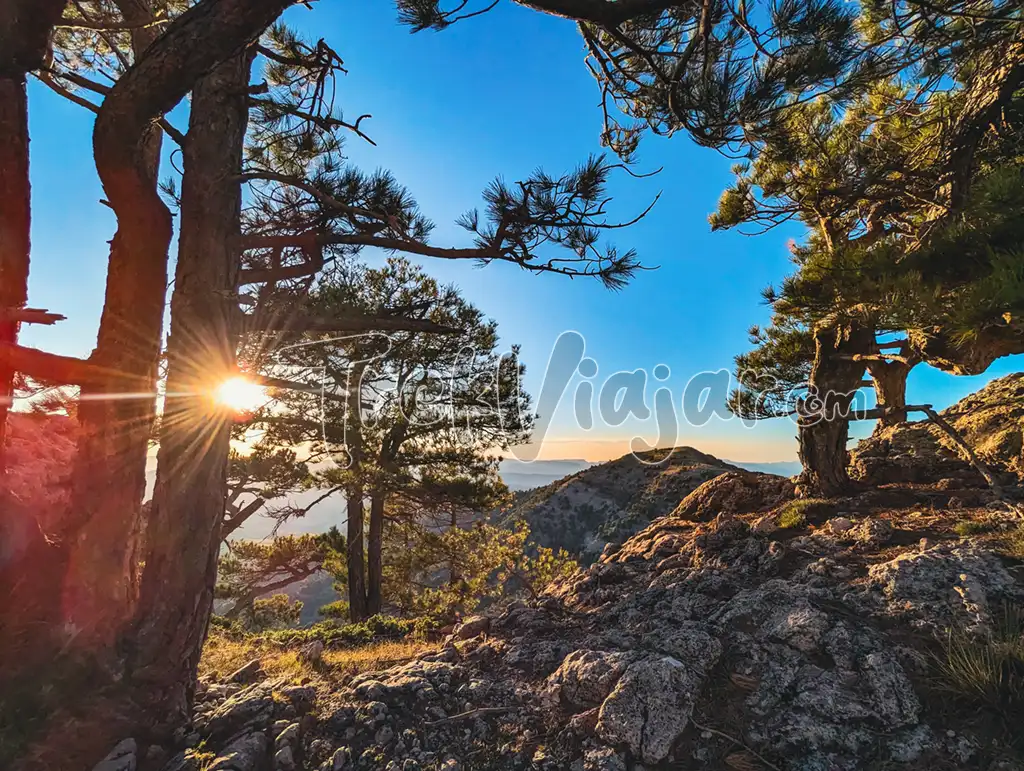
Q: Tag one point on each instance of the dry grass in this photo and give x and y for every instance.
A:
(222, 656)
(988, 670)
(1014, 544)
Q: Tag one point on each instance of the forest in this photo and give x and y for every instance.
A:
(249, 344)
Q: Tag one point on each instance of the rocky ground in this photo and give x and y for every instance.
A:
(732, 643)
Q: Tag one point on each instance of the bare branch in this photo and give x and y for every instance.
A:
(30, 316)
(343, 322)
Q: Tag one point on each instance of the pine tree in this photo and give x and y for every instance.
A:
(864, 181)
(250, 570)
(410, 417)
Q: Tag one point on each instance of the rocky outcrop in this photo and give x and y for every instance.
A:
(610, 501)
(699, 645)
(735, 493)
(991, 421)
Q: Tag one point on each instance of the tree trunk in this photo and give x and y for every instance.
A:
(890, 382)
(356, 561)
(375, 559)
(15, 223)
(25, 27)
(116, 416)
(30, 599)
(824, 415)
(183, 531)
(454, 576)
(138, 14)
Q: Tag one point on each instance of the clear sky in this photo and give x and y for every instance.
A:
(497, 95)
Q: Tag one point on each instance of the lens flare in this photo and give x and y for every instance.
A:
(240, 395)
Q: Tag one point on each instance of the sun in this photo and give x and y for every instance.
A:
(240, 395)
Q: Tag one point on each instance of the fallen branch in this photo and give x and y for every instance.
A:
(975, 461)
(947, 428)
(465, 715)
(734, 740)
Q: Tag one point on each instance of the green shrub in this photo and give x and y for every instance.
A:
(989, 669)
(331, 634)
(794, 514)
(334, 610)
(274, 612)
(971, 527)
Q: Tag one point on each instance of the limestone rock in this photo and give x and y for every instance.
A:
(472, 626)
(735, 492)
(650, 706)
(247, 673)
(586, 677)
(246, 753)
(121, 758)
(284, 759)
(312, 653)
(943, 586)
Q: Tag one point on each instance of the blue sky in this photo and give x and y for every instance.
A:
(498, 95)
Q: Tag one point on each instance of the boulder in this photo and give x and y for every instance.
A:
(650, 706)
(471, 627)
(121, 758)
(246, 753)
(585, 678)
(247, 673)
(735, 492)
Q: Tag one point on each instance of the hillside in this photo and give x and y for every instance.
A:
(991, 421)
(873, 632)
(610, 501)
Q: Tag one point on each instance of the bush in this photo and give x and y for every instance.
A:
(337, 610)
(275, 611)
(331, 634)
(972, 527)
(988, 670)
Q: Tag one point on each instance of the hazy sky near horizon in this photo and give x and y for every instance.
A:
(497, 95)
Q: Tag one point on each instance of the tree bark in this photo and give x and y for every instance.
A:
(824, 415)
(355, 492)
(357, 604)
(889, 379)
(374, 555)
(15, 223)
(184, 529)
(116, 416)
(25, 27)
(29, 602)
(138, 14)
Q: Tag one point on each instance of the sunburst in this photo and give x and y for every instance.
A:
(240, 395)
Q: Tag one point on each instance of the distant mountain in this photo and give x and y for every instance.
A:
(610, 501)
(782, 468)
(518, 475)
(523, 475)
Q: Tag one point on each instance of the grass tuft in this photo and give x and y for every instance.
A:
(988, 670)
(1013, 544)
(794, 514)
(971, 527)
